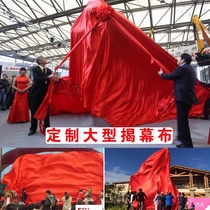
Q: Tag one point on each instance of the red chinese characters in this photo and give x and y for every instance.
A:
(53, 135)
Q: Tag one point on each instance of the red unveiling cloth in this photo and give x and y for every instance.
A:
(59, 173)
(153, 175)
(114, 65)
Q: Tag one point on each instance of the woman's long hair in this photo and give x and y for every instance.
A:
(66, 195)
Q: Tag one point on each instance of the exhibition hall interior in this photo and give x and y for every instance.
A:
(104, 104)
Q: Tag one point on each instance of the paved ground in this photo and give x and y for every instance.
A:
(15, 135)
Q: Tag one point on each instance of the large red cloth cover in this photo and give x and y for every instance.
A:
(59, 173)
(153, 175)
(115, 68)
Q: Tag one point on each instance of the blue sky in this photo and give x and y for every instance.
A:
(121, 163)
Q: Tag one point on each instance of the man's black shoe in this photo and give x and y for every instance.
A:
(183, 146)
(204, 118)
(31, 133)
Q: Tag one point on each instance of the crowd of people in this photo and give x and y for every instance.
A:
(136, 200)
(161, 201)
(86, 198)
(51, 202)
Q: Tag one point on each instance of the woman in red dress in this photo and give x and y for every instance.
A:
(19, 111)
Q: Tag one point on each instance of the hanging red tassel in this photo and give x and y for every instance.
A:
(41, 127)
(42, 111)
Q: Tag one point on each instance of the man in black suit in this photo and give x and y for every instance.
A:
(41, 80)
(184, 81)
(24, 196)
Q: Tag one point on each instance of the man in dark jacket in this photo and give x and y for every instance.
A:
(51, 200)
(162, 199)
(141, 197)
(184, 81)
(182, 201)
(24, 196)
(4, 82)
(41, 80)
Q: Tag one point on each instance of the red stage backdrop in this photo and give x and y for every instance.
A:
(153, 175)
(59, 173)
(113, 72)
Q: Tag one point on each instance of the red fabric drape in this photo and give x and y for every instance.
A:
(66, 98)
(59, 173)
(43, 108)
(115, 68)
(153, 175)
(10, 156)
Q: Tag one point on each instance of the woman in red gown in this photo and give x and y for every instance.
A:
(19, 111)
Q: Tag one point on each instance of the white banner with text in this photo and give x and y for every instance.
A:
(109, 135)
(88, 207)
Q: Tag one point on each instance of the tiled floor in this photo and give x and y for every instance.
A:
(16, 135)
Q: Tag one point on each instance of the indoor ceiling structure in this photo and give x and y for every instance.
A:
(29, 28)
